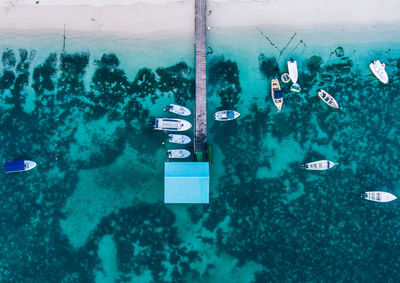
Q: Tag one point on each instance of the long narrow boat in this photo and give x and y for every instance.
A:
(276, 94)
(19, 166)
(170, 124)
(378, 69)
(292, 67)
(226, 115)
(327, 98)
(319, 165)
(379, 196)
(178, 109)
(180, 139)
(178, 153)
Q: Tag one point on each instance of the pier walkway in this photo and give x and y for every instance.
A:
(200, 134)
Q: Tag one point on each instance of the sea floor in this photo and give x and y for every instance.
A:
(93, 211)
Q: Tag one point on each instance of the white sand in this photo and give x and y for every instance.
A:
(146, 16)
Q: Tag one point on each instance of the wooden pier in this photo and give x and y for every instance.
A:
(200, 134)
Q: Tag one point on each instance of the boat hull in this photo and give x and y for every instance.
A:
(169, 124)
(293, 73)
(179, 139)
(378, 69)
(275, 87)
(180, 110)
(19, 166)
(379, 196)
(178, 153)
(226, 115)
(327, 98)
(319, 165)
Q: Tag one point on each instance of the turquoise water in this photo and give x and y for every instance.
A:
(92, 211)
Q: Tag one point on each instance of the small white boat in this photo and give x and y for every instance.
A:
(292, 67)
(19, 166)
(319, 165)
(379, 196)
(171, 124)
(177, 109)
(276, 94)
(327, 98)
(295, 88)
(178, 153)
(379, 71)
(181, 139)
(226, 115)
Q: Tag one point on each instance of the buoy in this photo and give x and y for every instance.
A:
(285, 78)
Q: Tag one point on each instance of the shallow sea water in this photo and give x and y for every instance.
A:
(92, 211)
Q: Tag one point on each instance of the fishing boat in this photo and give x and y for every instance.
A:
(327, 98)
(378, 69)
(379, 196)
(177, 109)
(319, 165)
(19, 166)
(226, 115)
(178, 153)
(181, 139)
(292, 67)
(170, 124)
(276, 94)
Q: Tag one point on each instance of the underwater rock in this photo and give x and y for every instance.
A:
(314, 64)
(268, 66)
(8, 58)
(43, 75)
(6, 80)
(339, 51)
(72, 69)
(109, 60)
(145, 84)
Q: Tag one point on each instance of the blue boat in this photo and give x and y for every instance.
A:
(19, 166)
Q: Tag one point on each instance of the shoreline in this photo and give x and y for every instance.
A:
(134, 17)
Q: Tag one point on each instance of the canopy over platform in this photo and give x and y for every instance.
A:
(186, 182)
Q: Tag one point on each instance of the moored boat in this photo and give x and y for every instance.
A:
(171, 124)
(178, 109)
(378, 69)
(327, 98)
(295, 88)
(180, 139)
(19, 166)
(379, 196)
(319, 165)
(178, 153)
(292, 67)
(226, 115)
(276, 94)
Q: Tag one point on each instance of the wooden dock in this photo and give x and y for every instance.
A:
(200, 134)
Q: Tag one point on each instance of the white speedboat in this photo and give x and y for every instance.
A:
(319, 165)
(292, 67)
(379, 71)
(170, 124)
(295, 88)
(226, 115)
(181, 139)
(177, 109)
(178, 153)
(19, 166)
(276, 94)
(327, 98)
(379, 196)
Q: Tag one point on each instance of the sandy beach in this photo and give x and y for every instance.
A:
(140, 17)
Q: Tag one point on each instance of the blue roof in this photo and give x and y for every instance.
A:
(14, 166)
(186, 182)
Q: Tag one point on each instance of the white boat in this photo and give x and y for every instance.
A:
(226, 115)
(327, 98)
(276, 94)
(171, 124)
(292, 67)
(178, 153)
(319, 165)
(177, 109)
(379, 196)
(19, 166)
(295, 88)
(379, 71)
(181, 139)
